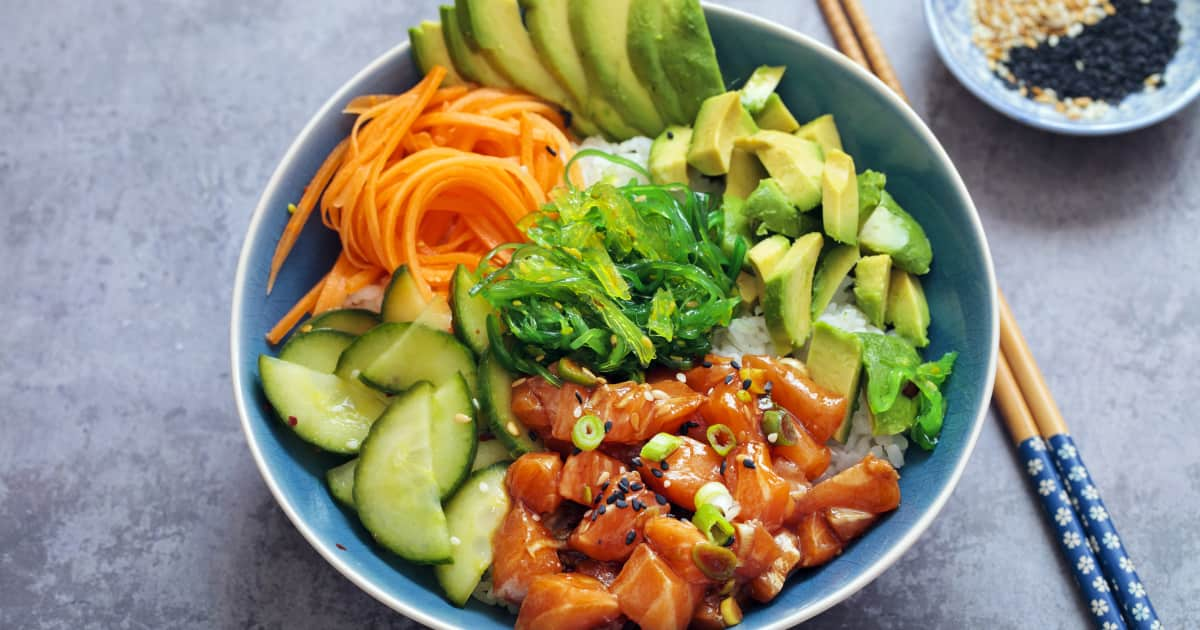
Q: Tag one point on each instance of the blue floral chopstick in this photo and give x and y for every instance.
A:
(1056, 502)
(1102, 535)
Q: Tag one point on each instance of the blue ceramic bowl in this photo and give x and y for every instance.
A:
(877, 128)
(950, 25)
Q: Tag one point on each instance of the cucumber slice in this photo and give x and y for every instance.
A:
(470, 311)
(317, 350)
(341, 482)
(402, 300)
(418, 354)
(488, 453)
(359, 355)
(454, 441)
(473, 515)
(323, 409)
(495, 388)
(394, 488)
(355, 321)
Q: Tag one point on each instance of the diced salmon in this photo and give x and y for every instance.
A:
(536, 402)
(741, 415)
(849, 524)
(673, 539)
(638, 410)
(766, 586)
(533, 480)
(708, 614)
(611, 530)
(567, 600)
(606, 572)
(755, 548)
(522, 549)
(584, 473)
(809, 454)
(818, 542)
(871, 485)
(701, 378)
(688, 467)
(798, 485)
(758, 490)
(652, 595)
(819, 410)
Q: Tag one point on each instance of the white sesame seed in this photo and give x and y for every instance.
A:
(483, 487)
(462, 418)
(648, 396)
(519, 382)
(667, 483)
(681, 377)
(454, 540)
(660, 394)
(512, 428)
(772, 437)
(578, 411)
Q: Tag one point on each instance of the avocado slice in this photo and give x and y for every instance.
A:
(550, 31)
(668, 156)
(776, 116)
(647, 45)
(721, 122)
(835, 264)
(745, 171)
(734, 224)
(767, 253)
(429, 50)
(787, 295)
(835, 363)
(907, 309)
(760, 86)
(691, 64)
(795, 162)
(599, 28)
(870, 193)
(890, 230)
(823, 131)
(839, 197)
(872, 277)
(769, 209)
(498, 32)
(472, 65)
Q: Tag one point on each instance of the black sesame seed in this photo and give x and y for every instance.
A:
(612, 498)
(637, 462)
(596, 515)
(656, 472)
(660, 498)
(735, 365)
(637, 505)
(630, 537)
(728, 542)
(551, 151)
(608, 426)
(768, 387)
(604, 486)
(707, 364)
(729, 379)
(621, 503)
(747, 383)
(576, 450)
(664, 465)
(722, 468)
(578, 398)
(603, 509)
(670, 135)
(748, 463)
(623, 484)
(635, 486)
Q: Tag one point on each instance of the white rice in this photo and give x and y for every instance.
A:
(594, 169)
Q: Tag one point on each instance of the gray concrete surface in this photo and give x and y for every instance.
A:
(134, 140)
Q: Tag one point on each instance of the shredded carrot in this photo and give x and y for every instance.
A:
(431, 178)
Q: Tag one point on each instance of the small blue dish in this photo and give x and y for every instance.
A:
(877, 128)
(949, 23)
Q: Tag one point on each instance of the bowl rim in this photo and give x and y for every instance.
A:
(869, 574)
(1064, 126)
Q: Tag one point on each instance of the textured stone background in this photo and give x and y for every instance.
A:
(134, 140)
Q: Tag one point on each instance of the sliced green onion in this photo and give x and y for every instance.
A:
(708, 519)
(727, 588)
(731, 612)
(721, 439)
(588, 433)
(716, 494)
(575, 373)
(781, 424)
(660, 446)
(714, 561)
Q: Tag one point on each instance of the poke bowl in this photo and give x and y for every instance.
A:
(876, 127)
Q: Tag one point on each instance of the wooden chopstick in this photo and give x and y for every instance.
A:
(1031, 415)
